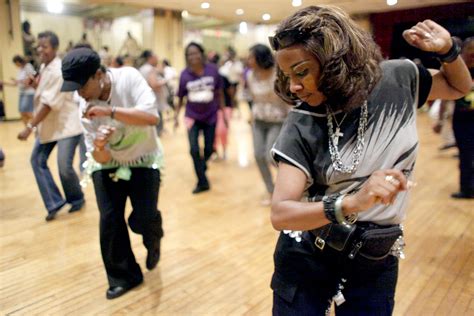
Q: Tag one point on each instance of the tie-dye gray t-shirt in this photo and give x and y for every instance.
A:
(391, 139)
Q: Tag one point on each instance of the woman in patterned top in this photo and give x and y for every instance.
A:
(268, 111)
(349, 147)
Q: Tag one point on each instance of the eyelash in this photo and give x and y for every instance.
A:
(302, 74)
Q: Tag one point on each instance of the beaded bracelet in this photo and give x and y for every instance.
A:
(329, 207)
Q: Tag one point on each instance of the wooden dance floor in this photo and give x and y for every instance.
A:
(218, 246)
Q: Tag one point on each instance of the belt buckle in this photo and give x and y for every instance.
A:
(320, 243)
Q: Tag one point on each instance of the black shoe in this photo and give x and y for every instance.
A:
(77, 207)
(462, 195)
(116, 291)
(201, 188)
(2, 158)
(51, 215)
(153, 255)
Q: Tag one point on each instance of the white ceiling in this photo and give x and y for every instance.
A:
(225, 9)
(278, 9)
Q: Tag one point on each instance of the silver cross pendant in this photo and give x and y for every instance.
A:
(336, 136)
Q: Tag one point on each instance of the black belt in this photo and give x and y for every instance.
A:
(368, 239)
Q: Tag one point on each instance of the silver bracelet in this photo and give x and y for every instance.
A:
(338, 210)
(341, 219)
(31, 127)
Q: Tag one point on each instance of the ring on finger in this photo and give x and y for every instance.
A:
(428, 35)
(391, 179)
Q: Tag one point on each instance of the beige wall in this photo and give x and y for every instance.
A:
(9, 47)
(116, 35)
(68, 28)
(168, 37)
(257, 34)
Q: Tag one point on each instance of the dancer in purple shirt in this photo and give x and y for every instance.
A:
(201, 84)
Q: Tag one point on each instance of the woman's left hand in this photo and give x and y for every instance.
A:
(429, 36)
(24, 134)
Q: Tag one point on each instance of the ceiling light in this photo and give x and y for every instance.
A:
(205, 5)
(243, 28)
(392, 2)
(266, 17)
(55, 6)
(239, 11)
(296, 3)
(184, 14)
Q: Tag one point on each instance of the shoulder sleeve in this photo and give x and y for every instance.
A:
(219, 84)
(89, 126)
(292, 148)
(142, 95)
(425, 83)
(51, 94)
(415, 81)
(29, 69)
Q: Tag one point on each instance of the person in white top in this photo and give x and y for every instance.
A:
(25, 104)
(56, 121)
(157, 83)
(119, 118)
(233, 70)
(170, 74)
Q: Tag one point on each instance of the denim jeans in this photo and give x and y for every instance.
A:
(82, 154)
(145, 219)
(264, 136)
(200, 162)
(52, 198)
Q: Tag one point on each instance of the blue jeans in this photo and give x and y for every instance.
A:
(26, 103)
(52, 198)
(200, 161)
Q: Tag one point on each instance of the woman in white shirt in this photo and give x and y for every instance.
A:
(25, 104)
(119, 118)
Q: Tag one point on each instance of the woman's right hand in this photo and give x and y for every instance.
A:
(103, 135)
(382, 187)
(31, 81)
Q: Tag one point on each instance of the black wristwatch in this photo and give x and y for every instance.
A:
(452, 54)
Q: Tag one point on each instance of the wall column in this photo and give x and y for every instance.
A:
(168, 33)
(11, 44)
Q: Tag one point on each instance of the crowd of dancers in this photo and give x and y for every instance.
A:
(321, 99)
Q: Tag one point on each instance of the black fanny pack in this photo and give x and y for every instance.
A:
(366, 239)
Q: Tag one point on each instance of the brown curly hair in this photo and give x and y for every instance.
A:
(348, 56)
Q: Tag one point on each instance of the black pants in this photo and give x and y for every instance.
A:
(306, 278)
(200, 162)
(463, 127)
(145, 219)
